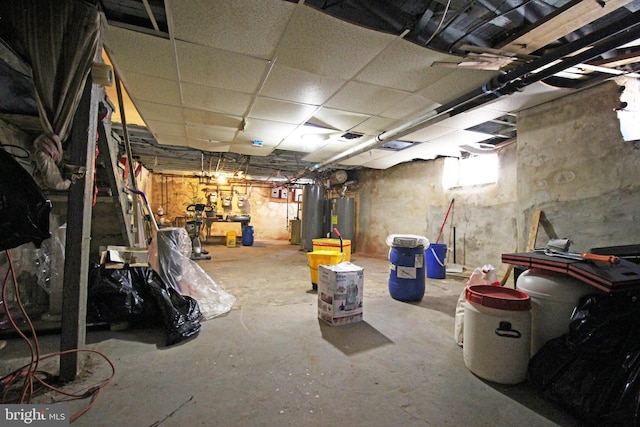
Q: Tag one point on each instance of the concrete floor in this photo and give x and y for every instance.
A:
(271, 362)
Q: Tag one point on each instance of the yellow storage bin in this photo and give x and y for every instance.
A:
(333, 245)
(317, 258)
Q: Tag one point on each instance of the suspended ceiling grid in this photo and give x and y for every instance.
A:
(230, 73)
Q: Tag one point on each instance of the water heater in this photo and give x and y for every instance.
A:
(343, 217)
(312, 214)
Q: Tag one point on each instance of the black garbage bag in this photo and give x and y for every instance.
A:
(180, 313)
(117, 295)
(24, 211)
(594, 369)
(140, 296)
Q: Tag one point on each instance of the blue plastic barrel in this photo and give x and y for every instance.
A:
(407, 278)
(247, 235)
(435, 255)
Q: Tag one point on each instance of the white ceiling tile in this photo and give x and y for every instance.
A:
(250, 150)
(365, 98)
(209, 118)
(471, 118)
(324, 45)
(365, 157)
(301, 145)
(210, 133)
(531, 96)
(455, 84)
(218, 68)
(208, 146)
(265, 130)
(410, 107)
(153, 89)
(165, 128)
(281, 111)
(376, 125)
(405, 66)
(141, 53)
(244, 26)
(428, 133)
(215, 99)
(295, 85)
(337, 119)
(160, 112)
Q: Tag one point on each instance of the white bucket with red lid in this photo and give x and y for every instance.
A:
(497, 333)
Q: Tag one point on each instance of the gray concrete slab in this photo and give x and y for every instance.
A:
(271, 362)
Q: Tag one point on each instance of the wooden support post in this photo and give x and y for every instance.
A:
(531, 241)
(82, 146)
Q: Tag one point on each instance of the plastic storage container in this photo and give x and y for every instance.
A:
(231, 239)
(497, 333)
(317, 258)
(436, 255)
(333, 245)
(247, 235)
(553, 298)
(407, 276)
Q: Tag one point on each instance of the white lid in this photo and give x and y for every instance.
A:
(406, 241)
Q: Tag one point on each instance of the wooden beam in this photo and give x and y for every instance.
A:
(559, 24)
(82, 146)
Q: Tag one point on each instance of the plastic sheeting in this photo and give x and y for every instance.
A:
(594, 369)
(169, 255)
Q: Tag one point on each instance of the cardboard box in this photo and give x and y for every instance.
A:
(340, 293)
(123, 256)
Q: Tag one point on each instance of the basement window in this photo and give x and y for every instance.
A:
(476, 170)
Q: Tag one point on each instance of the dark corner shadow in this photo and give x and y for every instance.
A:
(526, 395)
(354, 337)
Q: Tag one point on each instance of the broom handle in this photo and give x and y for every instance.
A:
(445, 220)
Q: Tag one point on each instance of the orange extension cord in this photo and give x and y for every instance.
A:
(32, 381)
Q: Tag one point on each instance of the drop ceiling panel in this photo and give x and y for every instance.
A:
(366, 157)
(337, 119)
(208, 118)
(365, 98)
(281, 111)
(215, 99)
(265, 130)
(446, 145)
(295, 85)
(218, 68)
(243, 26)
(250, 150)
(428, 133)
(164, 128)
(210, 133)
(323, 45)
(142, 53)
(410, 107)
(455, 84)
(329, 150)
(404, 66)
(160, 112)
(153, 89)
(471, 118)
(376, 125)
(208, 146)
(532, 95)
